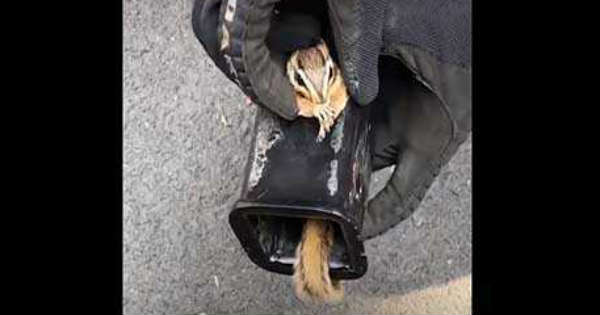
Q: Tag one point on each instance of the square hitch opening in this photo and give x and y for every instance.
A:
(270, 236)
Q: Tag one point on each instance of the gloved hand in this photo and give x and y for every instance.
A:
(422, 112)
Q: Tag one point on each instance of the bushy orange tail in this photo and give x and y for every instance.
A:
(311, 269)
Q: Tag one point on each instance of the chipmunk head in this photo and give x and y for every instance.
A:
(312, 72)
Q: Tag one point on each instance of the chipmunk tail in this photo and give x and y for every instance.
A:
(311, 269)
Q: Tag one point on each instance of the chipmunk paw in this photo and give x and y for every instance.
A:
(325, 115)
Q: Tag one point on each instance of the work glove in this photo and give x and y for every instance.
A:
(422, 112)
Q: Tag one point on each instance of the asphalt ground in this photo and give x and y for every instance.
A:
(186, 137)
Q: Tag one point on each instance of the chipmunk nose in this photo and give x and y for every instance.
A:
(322, 97)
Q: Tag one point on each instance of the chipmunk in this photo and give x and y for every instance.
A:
(320, 93)
(319, 86)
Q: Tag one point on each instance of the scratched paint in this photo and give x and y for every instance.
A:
(332, 182)
(337, 136)
(267, 135)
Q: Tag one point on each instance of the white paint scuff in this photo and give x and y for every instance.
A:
(267, 135)
(337, 136)
(332, 182)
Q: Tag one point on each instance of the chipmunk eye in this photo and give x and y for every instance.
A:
(330, 73)
(299, 80)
